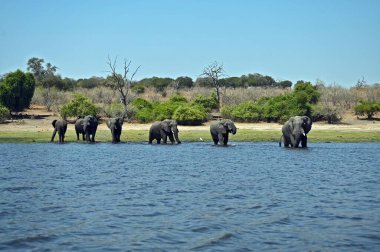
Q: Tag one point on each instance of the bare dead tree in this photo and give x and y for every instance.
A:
(121, 82)
(214, 72)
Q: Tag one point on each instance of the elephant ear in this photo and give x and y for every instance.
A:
(121, 120)
(108, 123)
(165, 126)
(291, 124)
(222, 128)
(308, 123)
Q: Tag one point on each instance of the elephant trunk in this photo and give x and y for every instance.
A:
(298, 135)
(175, 133)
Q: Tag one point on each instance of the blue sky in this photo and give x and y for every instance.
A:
(337, 41)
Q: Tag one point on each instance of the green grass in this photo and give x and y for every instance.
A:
(196, 135)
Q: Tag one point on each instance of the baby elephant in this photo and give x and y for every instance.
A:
(115, 125)
(60, 126)
(220, 129)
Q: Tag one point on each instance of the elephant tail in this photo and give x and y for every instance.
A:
(279, 143)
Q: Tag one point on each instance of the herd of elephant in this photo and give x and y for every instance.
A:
(294, 131)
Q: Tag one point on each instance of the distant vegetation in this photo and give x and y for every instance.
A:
(248, 98)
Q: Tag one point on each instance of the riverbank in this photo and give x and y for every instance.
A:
(36, 127)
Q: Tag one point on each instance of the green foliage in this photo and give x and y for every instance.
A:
(164, 110)
(177, 99)
(138, 89)
(144, 115)
(190, 114)
(328, 113)
(115, 109)
(16, 91)
(307, 89)
(4, 114)
(368, 108)
(158, 83)
(184, 82)
(90, 83)
(140, 103)
(208, 103)
(227, 111)
(247, 112)
(79, 106)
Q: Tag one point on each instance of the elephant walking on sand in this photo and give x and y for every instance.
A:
(60, 126)
(163, 130)
(295, 131)
(115, 125)
(220, 129)
(86, 126)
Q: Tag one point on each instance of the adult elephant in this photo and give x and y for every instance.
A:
(163, 130)
(87, 127)
(60, 126)
(295, 131)
(115, 125)
(220, 129)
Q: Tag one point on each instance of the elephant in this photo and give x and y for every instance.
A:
(220, 129)
(86, 126)
(162, 130)
(115, 125)
(60, 126)
(295, 131)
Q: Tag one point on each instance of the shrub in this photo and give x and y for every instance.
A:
(144, 115)
(247, 112)
(164, 110)
(4, 113)
(115, 109)
(227, 111)
(138, 89)
(79, 106)
(208, 103)
(330, 114)
(140, 103)
(177, 99)
(17, 89)
(190, 114)
(367, 108)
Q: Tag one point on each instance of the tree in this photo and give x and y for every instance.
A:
(121, 82)
(16, 91)
(183, 82)
(79, 106)
(214, 72)
(367, 108)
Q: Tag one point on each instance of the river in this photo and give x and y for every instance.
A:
(193, 196)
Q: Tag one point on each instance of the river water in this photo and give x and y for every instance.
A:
(193, 196)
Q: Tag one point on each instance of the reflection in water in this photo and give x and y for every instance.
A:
(247, 196)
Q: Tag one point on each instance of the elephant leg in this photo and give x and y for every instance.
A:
(77, 135)
(158, 140)
(215, 139)
(165, 138)
(225, 141)
(83, 136)
(93, 137)
(304, 141)
(220, 138)
(53, 136)
(171, 138)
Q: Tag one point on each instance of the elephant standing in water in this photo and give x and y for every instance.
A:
(164, 129)
(115, 125)
(60, 126)
(220, 129)
(86, 126)
(295, 131)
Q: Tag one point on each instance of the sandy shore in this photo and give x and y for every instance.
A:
(349, 123)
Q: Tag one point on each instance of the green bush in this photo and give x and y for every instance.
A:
(79, 106)
(208, 103)
(115, 109)
(16, 91)
(227, 111)
(326, 113)
(4, 113)
(190, 114)
(140, 103)
(138, 89)
(164, 110)
(177, 99)
(247, 112)
(367, 108)
(144, 115)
